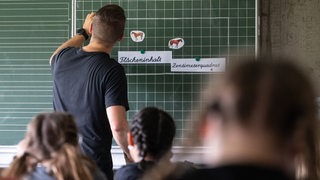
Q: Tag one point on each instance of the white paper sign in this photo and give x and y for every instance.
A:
(148, 57)
(204, 65)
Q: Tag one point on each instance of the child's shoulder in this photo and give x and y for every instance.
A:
(129, 171)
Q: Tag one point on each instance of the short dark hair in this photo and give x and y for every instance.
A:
(108, 24)
(153, 131)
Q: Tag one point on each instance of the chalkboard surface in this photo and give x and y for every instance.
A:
(210, 28)
(30, 30)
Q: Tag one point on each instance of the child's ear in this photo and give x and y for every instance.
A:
(90, 29)
(203, 129)
(130, 139)
(209, 127)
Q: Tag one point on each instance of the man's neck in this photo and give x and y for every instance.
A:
(97, 47)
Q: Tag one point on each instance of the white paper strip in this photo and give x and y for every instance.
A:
(204, 65)
(148, 57)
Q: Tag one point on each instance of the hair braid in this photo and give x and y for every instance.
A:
(153, 131)
(140, 137)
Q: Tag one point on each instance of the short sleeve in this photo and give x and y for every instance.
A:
(116, 88)
(54, 59)
(58, 55)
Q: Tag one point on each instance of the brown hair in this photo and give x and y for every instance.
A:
(52, 137)
(275, 94)
(108, 24)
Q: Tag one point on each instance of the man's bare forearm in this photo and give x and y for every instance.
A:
(120, 136)
(119, 126)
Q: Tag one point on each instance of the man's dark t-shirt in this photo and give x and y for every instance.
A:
(85, 84)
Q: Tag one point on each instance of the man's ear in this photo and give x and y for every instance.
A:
(120, 38)
(130, 139)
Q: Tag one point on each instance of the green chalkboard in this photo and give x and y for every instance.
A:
(31, 30)
(210, 28)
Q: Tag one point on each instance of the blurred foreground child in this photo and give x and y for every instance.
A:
(50, 151)
(258, 121)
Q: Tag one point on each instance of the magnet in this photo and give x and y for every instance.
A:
(176, 43)
(137, 36)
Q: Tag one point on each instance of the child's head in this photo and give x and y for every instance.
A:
(274, 95)
(152, 133)
(269, 98)
(108, 24)
(48, 133)
(52, 140)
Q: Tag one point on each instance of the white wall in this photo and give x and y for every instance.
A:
(180, 154)
(293, 30)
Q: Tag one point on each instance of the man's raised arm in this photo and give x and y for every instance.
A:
(78, 39)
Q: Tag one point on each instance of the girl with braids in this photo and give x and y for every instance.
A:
(260, 120)
(150, 139)
(50, 151)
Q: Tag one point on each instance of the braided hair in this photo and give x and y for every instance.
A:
(153, 131)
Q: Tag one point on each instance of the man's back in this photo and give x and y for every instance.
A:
(91, 86)
(85, 84)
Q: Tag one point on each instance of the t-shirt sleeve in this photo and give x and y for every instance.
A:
(58, 55)
(116, 88)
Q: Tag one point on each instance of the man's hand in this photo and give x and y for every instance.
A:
(87, 23)
(77, 40)
(128, 159)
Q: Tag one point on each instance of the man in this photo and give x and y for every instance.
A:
(93, 87)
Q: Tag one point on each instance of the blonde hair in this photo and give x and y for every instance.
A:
(52, 137)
